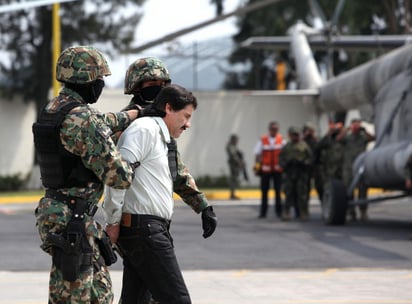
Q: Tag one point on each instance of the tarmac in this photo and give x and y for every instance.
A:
(244, 286)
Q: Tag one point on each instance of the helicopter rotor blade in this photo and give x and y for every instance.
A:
(337, 13)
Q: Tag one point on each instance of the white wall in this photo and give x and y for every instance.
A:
(202, 147)
(220, 114)
(17, 149)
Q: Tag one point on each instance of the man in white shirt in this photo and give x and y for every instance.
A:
(138, 219)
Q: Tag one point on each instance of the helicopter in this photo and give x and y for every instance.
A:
(382, 86)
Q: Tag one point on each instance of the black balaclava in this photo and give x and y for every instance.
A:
(145, 96)
(89, 92)
(150, 93)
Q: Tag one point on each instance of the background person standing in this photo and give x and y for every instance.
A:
(354, 139)
(315, 175)
(236, 165)
(296, 158)
(266, 166)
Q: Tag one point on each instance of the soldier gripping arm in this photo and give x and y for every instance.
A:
(185, 186)
(97, 150)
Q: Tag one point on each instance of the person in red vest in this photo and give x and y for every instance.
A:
(266, 166)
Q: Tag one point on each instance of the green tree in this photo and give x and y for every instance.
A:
(356, 18)
(26, 39)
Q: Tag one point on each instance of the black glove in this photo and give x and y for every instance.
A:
(209, 221)
(150, 110)
(132, 106)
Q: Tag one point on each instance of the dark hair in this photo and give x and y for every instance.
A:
(176, 96)
(273, 123)
(233, 137)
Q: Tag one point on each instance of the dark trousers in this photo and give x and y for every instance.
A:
(265, 180)
(150, 264)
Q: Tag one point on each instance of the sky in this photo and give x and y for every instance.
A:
(161, 17)
(178, 14)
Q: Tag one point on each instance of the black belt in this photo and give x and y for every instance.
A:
(140, 220)
(71, 201)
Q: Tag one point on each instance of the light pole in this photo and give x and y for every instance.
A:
(56, 45)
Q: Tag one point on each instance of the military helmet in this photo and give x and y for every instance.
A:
(293, 130)
(144, 69)
(309, 126)
(81, 65)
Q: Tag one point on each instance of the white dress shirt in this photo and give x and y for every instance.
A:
(151, 191)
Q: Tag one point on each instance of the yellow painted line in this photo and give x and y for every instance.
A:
(210, 194)
(327, 272)
(330, 271)
(20, 199)
(241, 273)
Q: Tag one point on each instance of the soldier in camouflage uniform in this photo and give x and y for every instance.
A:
(77, 158)
(355, 139)
(310, 138)
(295, 159)
(331, 154)
(236, 164)
(144, 79)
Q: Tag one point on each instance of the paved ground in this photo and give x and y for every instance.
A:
(248, 260)
(354, 286)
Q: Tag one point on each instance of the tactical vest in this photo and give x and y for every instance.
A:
(59, 168)
(270, 153)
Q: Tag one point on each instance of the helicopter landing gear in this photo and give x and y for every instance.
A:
(334, 203)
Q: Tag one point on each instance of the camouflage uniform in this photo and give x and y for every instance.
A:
(144, 70)
(149, 69)
(315, 170)
(330, 156)
(354, 144)
(85, 133)
(236, 164)
(295, 159)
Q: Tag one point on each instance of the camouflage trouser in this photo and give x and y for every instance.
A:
(234, 179)
(296, 195)
(361, 190)
(93, 286)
